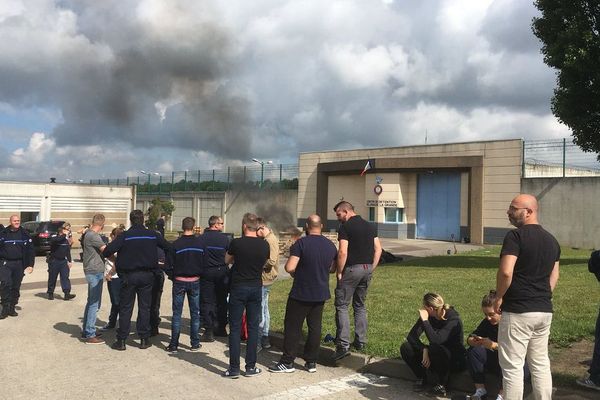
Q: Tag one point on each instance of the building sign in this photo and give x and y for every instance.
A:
(382, 203)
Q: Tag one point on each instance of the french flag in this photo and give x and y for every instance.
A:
(367, 167)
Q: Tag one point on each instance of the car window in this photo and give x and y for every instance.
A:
(49, 226)
(30, 226)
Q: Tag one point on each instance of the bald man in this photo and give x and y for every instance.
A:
(527, 276)
(311, 260)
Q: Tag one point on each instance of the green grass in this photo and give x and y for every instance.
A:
(397, 289)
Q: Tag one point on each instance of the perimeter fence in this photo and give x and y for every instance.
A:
(260, 176)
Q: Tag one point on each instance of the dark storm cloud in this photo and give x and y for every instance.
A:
(116, 69)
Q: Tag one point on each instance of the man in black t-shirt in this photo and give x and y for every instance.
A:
(527, 276)
(358, 255)
(311, 260)
(248, 255)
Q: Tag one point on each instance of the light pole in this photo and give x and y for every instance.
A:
(262, 169)
(149, 174)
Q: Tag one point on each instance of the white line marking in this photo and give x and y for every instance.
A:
(326, 388)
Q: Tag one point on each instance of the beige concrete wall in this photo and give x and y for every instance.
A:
(69, 202)
(569, 208)
(350, 188)
(501, 170)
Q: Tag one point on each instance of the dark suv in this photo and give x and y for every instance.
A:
(41, 232)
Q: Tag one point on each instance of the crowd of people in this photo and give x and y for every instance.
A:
(227, 283)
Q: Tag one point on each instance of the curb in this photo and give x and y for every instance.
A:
(397, 368)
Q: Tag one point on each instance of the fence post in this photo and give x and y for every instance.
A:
(185, 181)
(244, 174)
(159, 183)
(213, 181)
(228, 177)
(564, 157)
(280, 173)
(198, 177)
(127, 179)
(172, 180)
(523, 162)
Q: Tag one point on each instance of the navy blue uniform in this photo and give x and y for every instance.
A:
(137, 265)
(214, 282)
(58, 259)
(16, 254)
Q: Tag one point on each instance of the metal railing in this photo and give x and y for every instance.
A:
(265, 176)
(557, 158)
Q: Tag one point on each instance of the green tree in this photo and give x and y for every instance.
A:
(158, 207)
(569, 31)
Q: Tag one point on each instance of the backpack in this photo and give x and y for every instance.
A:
(594, 264)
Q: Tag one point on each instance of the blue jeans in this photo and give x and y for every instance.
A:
(240, 298)
(180, 289)
(94, 300)
(265, 316)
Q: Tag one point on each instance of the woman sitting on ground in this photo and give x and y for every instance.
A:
(482, 356)
(444, 353)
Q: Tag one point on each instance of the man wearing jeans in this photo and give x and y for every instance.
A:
(248, 255)
(187, 265)
(93, 268)
(527, 276)
(358, 255)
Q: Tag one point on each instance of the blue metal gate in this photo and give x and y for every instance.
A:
(438, 206)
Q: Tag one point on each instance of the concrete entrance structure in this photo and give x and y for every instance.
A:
(490, 174)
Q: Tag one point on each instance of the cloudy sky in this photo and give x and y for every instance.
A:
(93, 89)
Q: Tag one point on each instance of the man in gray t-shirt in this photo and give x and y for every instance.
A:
(93, 267)
(92, 245)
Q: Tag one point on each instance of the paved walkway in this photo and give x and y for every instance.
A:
(43, 357)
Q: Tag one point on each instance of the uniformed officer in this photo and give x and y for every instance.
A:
(17, 256)
(214, 282)
(60, 263)
(136, 265)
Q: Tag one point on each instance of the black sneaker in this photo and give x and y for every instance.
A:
(231, 375)
(171, 348)
(340, 353)
(588, 383)
(68, 296)
(265, 342)
(207, 337)
(50, 296)
(281, 367)
(250, 372)
(358, 345)
(195, 347)
(310, 367)
(439, 390)
(119, 345)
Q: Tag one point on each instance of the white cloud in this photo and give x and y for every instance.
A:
(35, 152)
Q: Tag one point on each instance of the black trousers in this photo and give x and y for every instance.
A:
(442, 361)
(11, 276)
(56, 268)
(295, 313)
(214, 287)
(136, 283)
(481, 360)
(158, 284)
